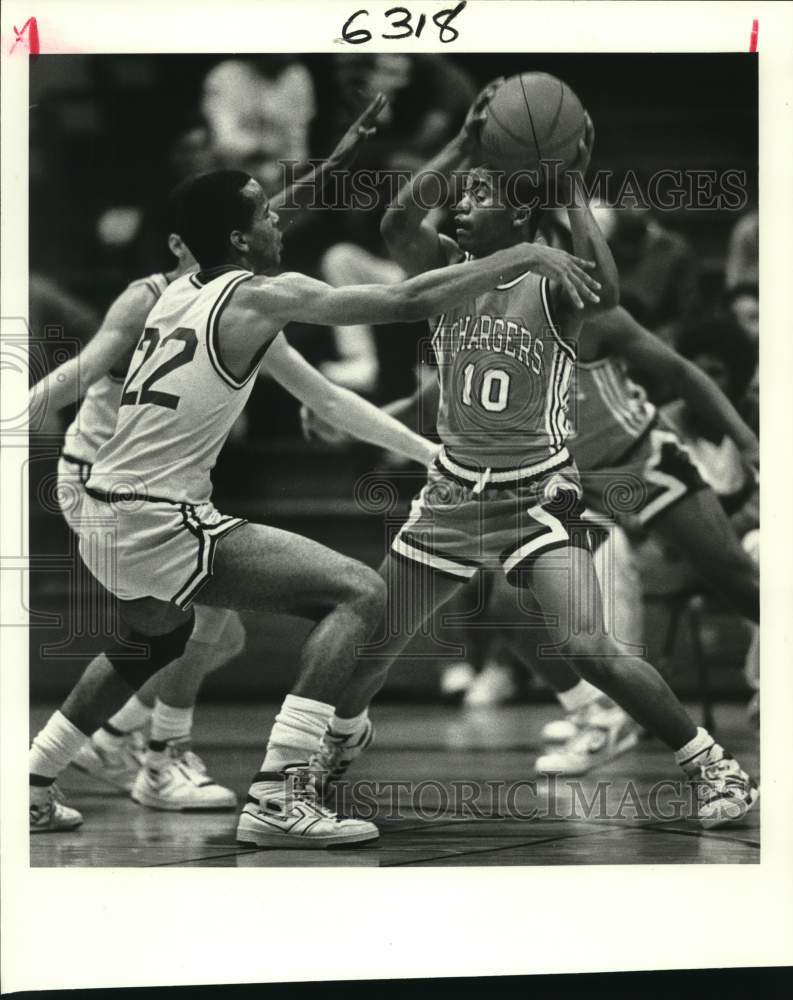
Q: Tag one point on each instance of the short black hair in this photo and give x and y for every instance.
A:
(205, 209)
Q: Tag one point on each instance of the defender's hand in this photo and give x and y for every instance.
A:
(361, 129)
(567, 271)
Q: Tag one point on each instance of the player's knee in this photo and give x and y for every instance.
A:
(232, 639)
(160, 651)
(366, 589)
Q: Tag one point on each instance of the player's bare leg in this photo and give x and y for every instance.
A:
(699, 527)
(595, 729)
(565, 586)
(415, 593)
(258, 568)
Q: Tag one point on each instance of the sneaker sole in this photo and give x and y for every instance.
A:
(55, 829)
(100, 776)
(623, 746)
(296, 842)
(709, 823)
(152, 802)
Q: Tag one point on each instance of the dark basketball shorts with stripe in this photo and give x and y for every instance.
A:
(464, 520)
(654, 475)
(151, 548)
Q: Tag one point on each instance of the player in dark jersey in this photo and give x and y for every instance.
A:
(634, 466)
(504, 491)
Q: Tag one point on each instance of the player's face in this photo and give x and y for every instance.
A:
(263, 235)
(482, 223)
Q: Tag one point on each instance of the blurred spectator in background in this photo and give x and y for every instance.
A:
(743, 253)
(741, 277)
(253, 112)
(258, 111)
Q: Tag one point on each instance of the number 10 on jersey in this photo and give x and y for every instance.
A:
(493, 392)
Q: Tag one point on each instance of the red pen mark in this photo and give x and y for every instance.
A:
(30, 29)
(753, 36)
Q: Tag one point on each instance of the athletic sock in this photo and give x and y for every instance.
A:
(577, 697)
(349, 727)
(133, 715)
(53, 750)
(699, 751)
(168, 723)
(171, 723)
(295, 736)
(108, 738)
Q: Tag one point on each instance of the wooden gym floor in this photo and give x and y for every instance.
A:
(449, 787)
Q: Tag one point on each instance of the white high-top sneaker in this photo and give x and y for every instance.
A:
(117, 767)
(288, 814)
(49, 812)
(602, 733)
(181, 784)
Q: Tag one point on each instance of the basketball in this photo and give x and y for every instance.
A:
(531, 118)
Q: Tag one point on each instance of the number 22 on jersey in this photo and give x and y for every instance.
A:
(150, 343)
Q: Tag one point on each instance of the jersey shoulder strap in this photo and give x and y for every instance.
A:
(155, 283)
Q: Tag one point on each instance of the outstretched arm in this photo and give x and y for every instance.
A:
(619, 332)
(341, 408)
(302, 193)
(295, 297)
(110, 346)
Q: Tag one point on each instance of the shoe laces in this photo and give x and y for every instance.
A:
(328, 756)
(304, 789)
(181, 752)
(721, 776)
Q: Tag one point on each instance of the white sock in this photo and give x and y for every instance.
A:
(349, 727)
(702, 749)
(296, 734)
(578, 696)
(133, 715)
(54, 748)
(170, 723)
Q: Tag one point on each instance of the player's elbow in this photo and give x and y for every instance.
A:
(394, 224)
(407, 304)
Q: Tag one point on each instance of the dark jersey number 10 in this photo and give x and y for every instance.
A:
(149, 343)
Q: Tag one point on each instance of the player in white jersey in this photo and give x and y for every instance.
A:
(523, 517)
(174, 776)
(116, 752)
(150, 487)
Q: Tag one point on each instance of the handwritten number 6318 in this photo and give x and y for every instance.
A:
(401, 18)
